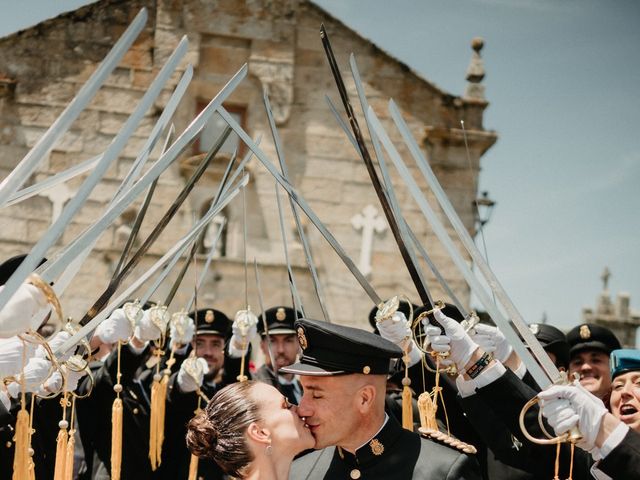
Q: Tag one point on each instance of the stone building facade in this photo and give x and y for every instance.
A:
(43, 67)
(618, 316)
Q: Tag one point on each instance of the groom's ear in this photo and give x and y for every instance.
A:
(365, 398)
(258, 433)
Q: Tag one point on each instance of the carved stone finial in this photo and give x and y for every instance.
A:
(606, 274)
(475, 72)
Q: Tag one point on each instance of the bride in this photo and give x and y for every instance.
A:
(251, 431)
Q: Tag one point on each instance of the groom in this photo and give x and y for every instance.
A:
(343, 372)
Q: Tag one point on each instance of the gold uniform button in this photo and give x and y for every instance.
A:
(366, 370)
(135, 411)
(355, 474)
(8, 444)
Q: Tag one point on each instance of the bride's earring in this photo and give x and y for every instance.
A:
(268, 450)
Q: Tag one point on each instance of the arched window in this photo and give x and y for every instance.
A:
(212, 230)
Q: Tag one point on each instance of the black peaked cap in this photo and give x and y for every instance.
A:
(9, 266)
(329, 349)
(210, 321)
(589, 336)
(280, 320)
(552, 340)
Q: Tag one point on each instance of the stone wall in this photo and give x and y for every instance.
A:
(279, 39)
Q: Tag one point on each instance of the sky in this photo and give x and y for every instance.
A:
(562, 79)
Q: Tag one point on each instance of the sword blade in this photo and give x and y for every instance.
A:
(496, 287)
(297, 303)
(260, 155)
(224, 186)
(296, 217)
(379, 189)
(53, 267)
(55, 231)
(188, 135)
(52, 181)
(534, 368)
(29, 163)
(207, 263)
(389, 192)
(274, 366)
(126, 294)
(198, 243)
(141, 213)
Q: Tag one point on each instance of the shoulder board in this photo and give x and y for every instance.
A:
(446, 439)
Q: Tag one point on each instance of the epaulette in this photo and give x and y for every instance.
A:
(448, 440)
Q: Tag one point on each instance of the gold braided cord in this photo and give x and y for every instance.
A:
(116, 426)
(71, 444)
(23, 429)
(21, 440)
(61, 442)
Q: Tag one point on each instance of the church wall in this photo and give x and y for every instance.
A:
(281, 43)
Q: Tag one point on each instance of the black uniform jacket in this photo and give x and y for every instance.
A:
(94, 414)
(394, 453)
(623, 462)
(504, 399)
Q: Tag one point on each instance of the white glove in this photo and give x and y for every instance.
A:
(396, 329)
(54, 382)
(35, 373)
(566, 406)
(491, 340)
(191, 374)
(147, 329)
(54, 342)
(115, 328)
(181, 330)
(455, 340)
(11, 355)
(244, 328)
(24, 310)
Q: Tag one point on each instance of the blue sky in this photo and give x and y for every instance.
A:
(562, 79)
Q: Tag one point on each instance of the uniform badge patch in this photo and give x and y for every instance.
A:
(301, 338)
(376, 447)
(585, 333)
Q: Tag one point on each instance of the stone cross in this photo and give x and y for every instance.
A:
(369, 222)
(605, 278)
(58, 195)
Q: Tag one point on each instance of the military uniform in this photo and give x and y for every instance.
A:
(94, 413)
(393, 452)
(181, 406)
(280, 321)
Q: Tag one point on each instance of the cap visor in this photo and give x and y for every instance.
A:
(311, 370)
(594, 345)
(280, 331)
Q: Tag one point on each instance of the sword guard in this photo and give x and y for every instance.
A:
(572, 436)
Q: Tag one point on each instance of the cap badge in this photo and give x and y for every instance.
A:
(376, 447)
(209, 316)
(535, 328)
(301, 338)
(280, 314)
(366, 369)
(585, 333)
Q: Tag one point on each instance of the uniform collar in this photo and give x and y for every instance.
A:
(375, 448)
